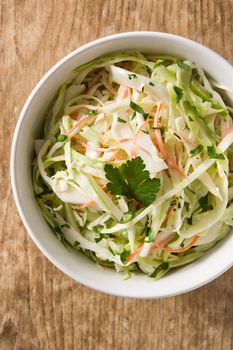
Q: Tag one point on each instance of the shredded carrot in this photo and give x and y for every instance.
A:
(162, 243)
(79, 123)
(109, 87)
(126, 139)
(127, 92)
(161, 145)
(97, 149)
(133, 153)
(96, 79)
(135, 252)
(174, 250)
(183, 137)
(84, 205)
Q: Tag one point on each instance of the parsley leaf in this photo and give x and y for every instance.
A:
(124, 256)
(132, 180)
(149, 235)
(190, 220)
(98, 239)
(213, 154)
(196, 151)
(179, 93)
(121, 120)
(161, 267)
(43, 193)
(138, 109)
(151, 84)
(132, 76)
(204, 205)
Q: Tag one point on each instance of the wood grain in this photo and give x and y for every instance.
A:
(41, 308)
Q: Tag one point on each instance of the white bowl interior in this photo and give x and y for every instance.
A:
(75, 264)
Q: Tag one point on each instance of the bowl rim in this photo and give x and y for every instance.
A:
(53, 259)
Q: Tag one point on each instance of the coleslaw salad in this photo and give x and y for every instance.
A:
(135, 167)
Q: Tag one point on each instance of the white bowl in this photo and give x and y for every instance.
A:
(76, 264)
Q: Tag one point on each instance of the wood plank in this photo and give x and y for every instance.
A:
(40, 307)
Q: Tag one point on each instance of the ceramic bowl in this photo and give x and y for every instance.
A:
(29, 126)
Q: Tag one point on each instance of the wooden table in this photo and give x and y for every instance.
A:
(40, 307)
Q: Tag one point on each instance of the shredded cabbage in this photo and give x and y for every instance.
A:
(164, 111)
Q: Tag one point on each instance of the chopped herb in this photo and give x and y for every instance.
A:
(132, 180)
(145, 132)
(124, 256)
(98, 228)
(143, 89)
(98, 239)
(196, 151)
(186, 205)
(179, 205)
(91, 112)
(212, 153)
(190, 220)
(182, 65)
(132, 76)
(121, 120)
(111, 251)
(186, 127)
(138, 109)
(179, 93)
(58, 232)
(61, 138)
(76, 243)
(43, 193)
(231, 171)
(177, 136)
(173, 202)
(203, 201)
(151, 84)
(182, 243)
(149, 235)
(133, 116)
(204, 205)
(190, 119)
(161, 267)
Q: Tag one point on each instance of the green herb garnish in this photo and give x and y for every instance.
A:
(179, 93)
(138, 109)
(124, 256)
(121, 120)
(132, 180)
(161, 267)
(196, 151)
(132, 76)
(149, 235)
(212, 153)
